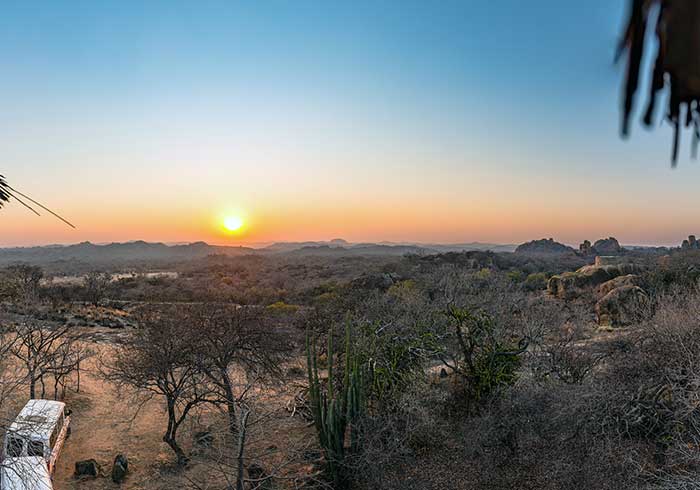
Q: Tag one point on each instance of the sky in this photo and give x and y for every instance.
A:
(422, 121)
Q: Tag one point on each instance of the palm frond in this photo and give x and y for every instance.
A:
(4, 191)
(7, 192)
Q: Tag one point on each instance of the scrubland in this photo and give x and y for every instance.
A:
(456, 370)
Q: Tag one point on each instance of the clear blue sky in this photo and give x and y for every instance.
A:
(432, 121)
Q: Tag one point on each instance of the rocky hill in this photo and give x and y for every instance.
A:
(544, 246)
(604, 246)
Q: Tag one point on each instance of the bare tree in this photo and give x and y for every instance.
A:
(22, 282)
(251, 462)
(95, 285)
(11, 375)
(236, 348)
(66, 361)
(45, 352)
(159, 360)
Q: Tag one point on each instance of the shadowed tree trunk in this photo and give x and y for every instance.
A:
(170, 437)
(240, 477)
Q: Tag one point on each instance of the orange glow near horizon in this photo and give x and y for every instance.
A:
(348, 131)
(379, 220)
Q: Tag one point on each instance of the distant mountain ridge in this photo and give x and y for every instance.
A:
(289, 246)
(128, 251)
(339, 243)
(140, 250)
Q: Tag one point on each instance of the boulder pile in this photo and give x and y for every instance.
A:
(570, 284)
(621, 306)
(691, 243)
(618, 282)
(621, 299)
(604, 246)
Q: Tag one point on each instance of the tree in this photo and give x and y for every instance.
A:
(23, 281)
(236, 347)
(160, 360)
(43, 351)
(11, 375)
(66, 360)
(95, 286)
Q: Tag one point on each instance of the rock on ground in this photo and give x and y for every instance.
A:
(120, 468)
(619, 281)
(621, 306)
(86, 468)
(569, 284)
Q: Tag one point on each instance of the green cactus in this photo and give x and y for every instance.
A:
(335, 412)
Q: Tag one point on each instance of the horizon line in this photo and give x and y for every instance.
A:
(262, 245)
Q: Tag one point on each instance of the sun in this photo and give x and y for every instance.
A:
(233, 223)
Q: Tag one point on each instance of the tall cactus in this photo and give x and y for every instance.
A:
(335, 411)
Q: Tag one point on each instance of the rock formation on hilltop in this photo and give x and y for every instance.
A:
(543, 246)
(585, 248)
(607, 246)
(691, 243)
(604, 246)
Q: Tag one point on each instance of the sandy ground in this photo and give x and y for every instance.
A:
(105, 423)
(102, 427)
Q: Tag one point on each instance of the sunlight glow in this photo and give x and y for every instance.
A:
(233, 223)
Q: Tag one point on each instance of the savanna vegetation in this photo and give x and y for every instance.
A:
(455, 370)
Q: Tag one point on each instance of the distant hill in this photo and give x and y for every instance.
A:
(467, 247)
(140, 251)
(384, 247)
(289, 246)
(544, 246)
(116, 252)
(362, 249)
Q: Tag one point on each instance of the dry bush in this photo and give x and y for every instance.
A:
(398, 437)
(567, 357)
(266, 453)
(540, 437)
(666, 375)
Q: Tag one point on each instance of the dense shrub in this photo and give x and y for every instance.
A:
(536, 281)
(482, 358)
